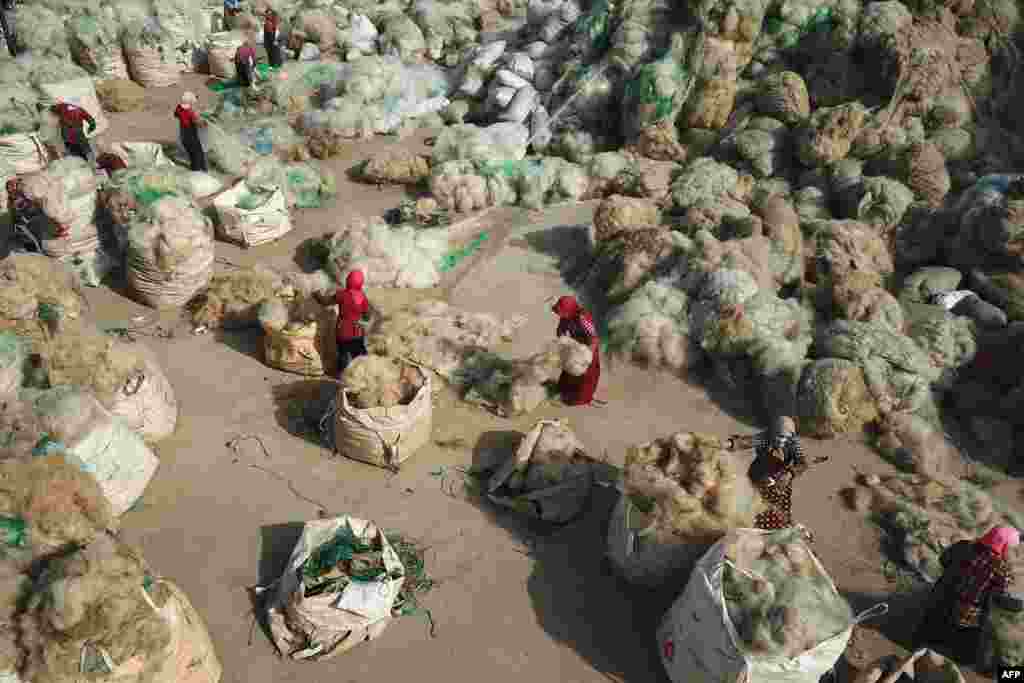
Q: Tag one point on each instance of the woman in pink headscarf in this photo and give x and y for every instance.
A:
(353, 308)
(973, 571)
(578, 324)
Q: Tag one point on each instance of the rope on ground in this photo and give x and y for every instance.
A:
(233, 445)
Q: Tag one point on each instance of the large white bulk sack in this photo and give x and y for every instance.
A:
(147, 404)
(266, 221)
(220, 50)
(698, 642)
(101, 443)
(81, 92)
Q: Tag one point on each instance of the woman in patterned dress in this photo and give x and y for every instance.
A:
(779, 460)
(973, 571)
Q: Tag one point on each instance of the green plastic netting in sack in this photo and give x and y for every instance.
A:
(657, 92)
(13, 532)
(12, 358)
(307, 185)
(596, 26)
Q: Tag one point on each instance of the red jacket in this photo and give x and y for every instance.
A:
(245, 54)
(186, 116)
(270, 23)
(352, 305)
(72, 119)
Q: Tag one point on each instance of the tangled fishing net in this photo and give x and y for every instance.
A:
(298, 334)
(438, 336)
(921, 516)
(374, 381)
(48, 503)
(31, 281)
(232, 299)
(66, 192)
(170, 253)
(389, 257)
(778, 596)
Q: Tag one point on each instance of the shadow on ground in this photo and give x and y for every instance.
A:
(276, 544)
(905, 610)
(577, 599)
(248, 342)
(567, 245)
(299, 407)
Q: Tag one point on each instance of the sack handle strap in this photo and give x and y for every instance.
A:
(876, 611)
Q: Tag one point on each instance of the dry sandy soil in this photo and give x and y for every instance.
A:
(514, 602)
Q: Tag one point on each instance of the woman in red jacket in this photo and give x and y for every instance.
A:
(190, 123)
(579, 324)
(353, 308)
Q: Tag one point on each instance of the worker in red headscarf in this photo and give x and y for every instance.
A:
(973, 571)
(245, 64)
(353, 312)
(578, 324)
(271, 26)
(190, 123)
(73, 120)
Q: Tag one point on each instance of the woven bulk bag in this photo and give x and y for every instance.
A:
(382, 436)
(67, 194)
(153, 66)
(307, 349)
(23, 153)
(147, 403)
(220, 50)
(249, 219)
(170, 253)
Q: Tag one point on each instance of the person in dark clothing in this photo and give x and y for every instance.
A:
(778, 461)
(7, 24)
(973, 571)
(245, 64)
(190, 123)
(73, 120)
(24, 213)
(271, 28)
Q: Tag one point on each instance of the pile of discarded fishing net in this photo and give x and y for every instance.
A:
(344, 563)
(384, 411)
(101, 611)
(921, 516)
(121, 375)
(38, 79)
(760, 597)
(72, 423)
(299, 334)
(48, 503)
(34, 287)
(549, 476)
(680, 494)
(170, 252)
(232, 299)
(376, 381)
(66, 193)
(369, 96)
(250, 214)
(405, 256)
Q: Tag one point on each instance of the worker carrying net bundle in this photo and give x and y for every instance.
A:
(113, 453)
(170, 253)
(66, 193)
(680, 495)
(298, 335)
(759, 607)
(549, 477)
(384, 411)
(232, 299)
(340, 589)
(120, 375)
(48, 503)
(101, 614)
(32, 282)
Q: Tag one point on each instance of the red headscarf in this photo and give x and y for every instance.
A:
(354, 284)
(566, 308)
(1000, 539)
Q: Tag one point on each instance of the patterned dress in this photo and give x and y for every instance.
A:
(774, 476)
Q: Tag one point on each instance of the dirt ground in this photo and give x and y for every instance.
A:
(514, 601)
